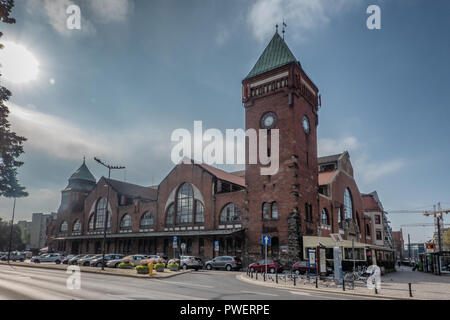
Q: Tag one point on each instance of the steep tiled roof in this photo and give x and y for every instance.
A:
(326, 177)
(275, 55)
(133, 190)
(83, 173)
(223, 175)
(369, 203)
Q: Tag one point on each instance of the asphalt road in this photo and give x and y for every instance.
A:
(24, 283)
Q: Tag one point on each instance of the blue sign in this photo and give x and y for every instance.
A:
(216, 245)
(175, 239)
(266, 239)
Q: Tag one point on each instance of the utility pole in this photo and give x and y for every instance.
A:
(409, 248)
(438, 220)
(12, 229)
(106, 207)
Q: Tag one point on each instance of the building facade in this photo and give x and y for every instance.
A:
(214, 212)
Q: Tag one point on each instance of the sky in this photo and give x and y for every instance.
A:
(137, 70)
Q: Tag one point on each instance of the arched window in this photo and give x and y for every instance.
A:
(91, 222)
(230, 213)
(348, 205)
(170, 215)
(64, 227)
(324, 218)
(199, 212)
(274, 210)
(185, 204)
(100, 214)
(76, 226)
(125, 223)
(146, 220)
(265, 209)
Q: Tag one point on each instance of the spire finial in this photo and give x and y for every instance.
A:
(276, 28)
(84, 159)
(284, 28)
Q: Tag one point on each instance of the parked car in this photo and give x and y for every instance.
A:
(190, 262)
(86, 260)
(224, 262)
(67, 258)
(97, 261)
(48, 257)
(75, 259)
(302, 267)
(273, 266)
(14, 256)
(135, 259)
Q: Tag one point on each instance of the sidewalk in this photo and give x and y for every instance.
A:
(394, 285)
(108, 271)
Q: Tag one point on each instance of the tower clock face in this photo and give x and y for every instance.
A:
(268, 120)
(305, 123)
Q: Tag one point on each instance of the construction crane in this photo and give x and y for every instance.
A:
(438, 219)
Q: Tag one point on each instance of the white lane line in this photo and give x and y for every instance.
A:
(318, 296)
(186, 284)
(260, 293)
(118, 296)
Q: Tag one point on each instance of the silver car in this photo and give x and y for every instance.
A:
(190, 262)
(135, 259)
(48, 257)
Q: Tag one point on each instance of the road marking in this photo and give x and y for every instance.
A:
(320, 296)
(300, 293)
(261, 293)
(186, 284)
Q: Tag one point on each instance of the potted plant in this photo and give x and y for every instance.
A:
(173, 266)
(159, 267)
(142, 269)
(126, 264)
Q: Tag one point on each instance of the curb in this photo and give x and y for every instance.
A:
(107, 273)
(244, 279)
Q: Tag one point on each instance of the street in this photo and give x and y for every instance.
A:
(22, 283)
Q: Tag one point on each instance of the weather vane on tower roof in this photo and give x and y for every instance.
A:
(284, 28)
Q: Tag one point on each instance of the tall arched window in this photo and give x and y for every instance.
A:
(230, 213)
(146, 220)
(91, 222)
(199, 212)
(348, 205)
(185, 204)
(100, 214)
(64, 227)
(76, 226)
(324, 218)
(125, 223)
(274, 210)
(170, 215)
(265, 211)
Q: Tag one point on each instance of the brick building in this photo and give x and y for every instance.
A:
(308, 200)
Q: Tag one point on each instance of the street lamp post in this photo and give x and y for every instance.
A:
(106, 207)
(12, 229)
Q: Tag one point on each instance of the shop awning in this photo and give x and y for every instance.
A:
(153, 234)
(312, 242)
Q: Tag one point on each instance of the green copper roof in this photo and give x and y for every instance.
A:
(276, 54)
(83, 173)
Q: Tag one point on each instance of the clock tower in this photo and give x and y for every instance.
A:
(278, 94)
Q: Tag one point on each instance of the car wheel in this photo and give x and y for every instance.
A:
(116, 265)
(272, 270)
(37, 261)
(21, 260)
(228, 267)
(57, 262)
(185, 266)
(208, 267)
(252, 269)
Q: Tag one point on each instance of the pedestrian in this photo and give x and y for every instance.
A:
(399, 263)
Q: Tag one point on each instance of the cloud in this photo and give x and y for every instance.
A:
(301, 16)
(102, 11)
(364, 165)
(109, 11)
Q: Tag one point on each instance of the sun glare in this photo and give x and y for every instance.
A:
(18, 64)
